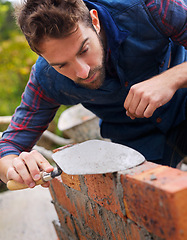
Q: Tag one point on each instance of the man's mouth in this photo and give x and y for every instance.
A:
(89, 80)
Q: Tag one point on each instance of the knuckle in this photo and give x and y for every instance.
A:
(34, 152)
(18, 165)
(28, 181)
(147, 98)
(131, 110)
(10, 172)
(24, 156)
(138, 113)
(154, 102)
(148, 114)
(133, 88)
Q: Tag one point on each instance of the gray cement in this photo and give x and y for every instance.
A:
(27, 215)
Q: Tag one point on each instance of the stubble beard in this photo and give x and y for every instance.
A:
(97, 82)
(99, 70)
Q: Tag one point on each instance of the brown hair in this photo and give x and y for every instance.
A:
(50, 18)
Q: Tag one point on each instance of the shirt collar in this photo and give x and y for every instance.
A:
(114, 36)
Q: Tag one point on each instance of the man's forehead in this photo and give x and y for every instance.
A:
(70, 45)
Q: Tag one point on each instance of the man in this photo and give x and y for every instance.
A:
(123, 60)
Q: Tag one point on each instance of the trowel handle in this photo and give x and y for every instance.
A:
(13, 185)
(45, 177)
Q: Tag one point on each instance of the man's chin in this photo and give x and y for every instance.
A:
(92, 86)
(96, 84)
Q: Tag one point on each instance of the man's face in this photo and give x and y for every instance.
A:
(79, 56)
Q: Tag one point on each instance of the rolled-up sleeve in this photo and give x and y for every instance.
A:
(171, 18)
(30, 119)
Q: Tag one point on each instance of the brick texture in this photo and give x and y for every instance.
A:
(147, 202)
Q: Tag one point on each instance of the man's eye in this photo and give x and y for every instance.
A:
(84, 51)
(61, 66)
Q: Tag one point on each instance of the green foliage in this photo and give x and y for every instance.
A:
(16, 60)
(8, 27)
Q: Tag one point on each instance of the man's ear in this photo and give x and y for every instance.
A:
(95, 20)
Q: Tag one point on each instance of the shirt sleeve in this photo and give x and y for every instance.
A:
(171, 18)
(30, 119)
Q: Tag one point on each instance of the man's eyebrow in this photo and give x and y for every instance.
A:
(78, 52)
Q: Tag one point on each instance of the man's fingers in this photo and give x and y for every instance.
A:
(36, 163)
(45, 185)
(30, 161)
(139, 103)
(130, 115)
(150, 109)
(128, 100)
(29, 164)
(44, 164)
(22, 170)
(12, 174)
(141, 107)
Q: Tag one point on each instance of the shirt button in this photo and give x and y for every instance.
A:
(162, 64)
(159, 120)
(126, 84)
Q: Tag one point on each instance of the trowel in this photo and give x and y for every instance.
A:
(89, 157)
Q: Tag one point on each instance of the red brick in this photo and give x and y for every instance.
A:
(65, 220)
(78, 205)
(103, 190)
(59, 194)
(133, 231)
(86, 233)
(63, 233)
(140, 168)
(116, 227)
(71, 181)
(88, 213)
(156, 199)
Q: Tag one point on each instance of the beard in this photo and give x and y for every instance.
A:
(99, 71)
(98, 80)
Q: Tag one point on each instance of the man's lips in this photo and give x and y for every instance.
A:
(90, 79)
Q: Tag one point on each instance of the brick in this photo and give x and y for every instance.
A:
(92, 206)
(62, 232)
(65, 219)
(140, 168)
(59, 194)
(133, 231)
(102, 189)
(87, 212)
(71, 181)
(115, 226)
(84, 232)
(78, 205)
(155, 198)
(120, 229)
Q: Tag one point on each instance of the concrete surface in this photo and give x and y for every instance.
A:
(27, 215)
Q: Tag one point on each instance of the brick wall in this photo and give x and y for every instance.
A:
(146, 202)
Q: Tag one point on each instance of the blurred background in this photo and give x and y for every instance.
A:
(16, 60)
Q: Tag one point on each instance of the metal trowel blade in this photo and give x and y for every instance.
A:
(97, 157)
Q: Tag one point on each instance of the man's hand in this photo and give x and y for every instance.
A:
(145, 97)
(24, 168)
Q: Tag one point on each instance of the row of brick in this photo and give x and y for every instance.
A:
(145, 202)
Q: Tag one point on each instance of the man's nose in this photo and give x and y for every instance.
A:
(82, 69)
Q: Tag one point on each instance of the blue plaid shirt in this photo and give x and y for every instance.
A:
(36, 110)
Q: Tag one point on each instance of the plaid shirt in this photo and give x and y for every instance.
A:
(37, 110)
